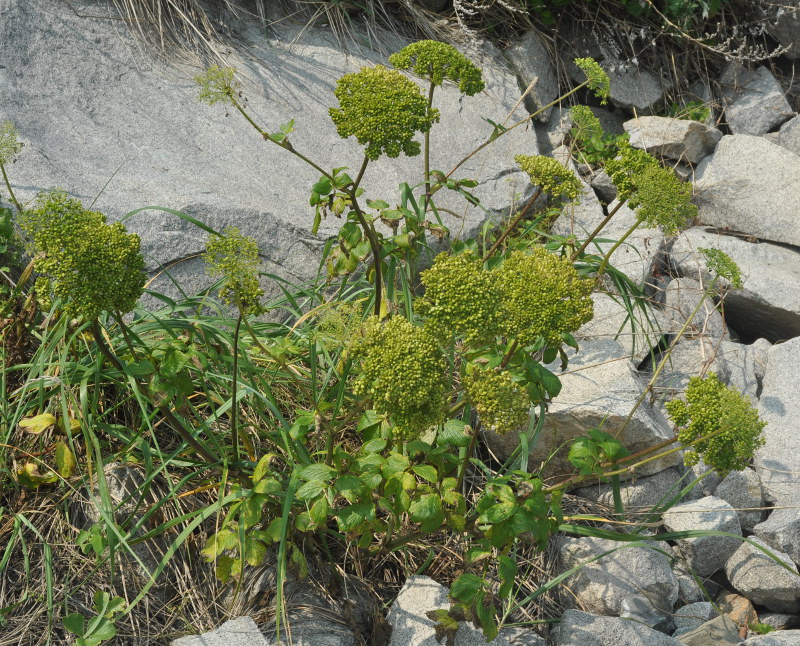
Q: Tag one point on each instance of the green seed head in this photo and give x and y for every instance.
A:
(721, 264)
(234, 258)
(218, 84)
(553, 178)
(599, 82)
(503, 406)
(435, 62)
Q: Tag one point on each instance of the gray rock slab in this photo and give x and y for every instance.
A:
(786, 26)
(518, 636)
(103, 120)
(633, 87)
(411, 626)
(583, 629)
(692, 616)
(241, 631)
(763, 581)
(743, 491)
(768, 305)
(705, 554)
(779, 638)
(532, 63)
(602, 586)
(751, 186)
(677, 139)
(789, 135)
(779, 620)
(754, 101)
(603, 187)
(782, 531)
(640, 494)
(681, 297)
(599, 389)
(778, 461)
(720, 631)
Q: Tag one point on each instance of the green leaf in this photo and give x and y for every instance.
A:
(427, 511)
(65, 459)
(254, 552)
(319, 511)
(498, 513)
(466, 587)
(507, 569)
(352, 516)
(310, 489)
(223, 568)
(38, 424)
(486, 617)
(262, 467)
(30, 477)
(317, 471)
(453, 432)
(74, 623)
(322, 187)
(426, 472)
(103, 630)
(374, 446)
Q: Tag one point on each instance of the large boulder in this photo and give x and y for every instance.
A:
(754, 100)
(119, 129)
(762, 580)
(676, 139)
(584, 629)
(786, 26)
(751, 186)
(531, 62)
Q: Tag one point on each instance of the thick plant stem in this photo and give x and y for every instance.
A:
(369, 231)
(462, 470)
(597, 231)
(513, 225)
(10, 190)
(234, 389)
(426, 158)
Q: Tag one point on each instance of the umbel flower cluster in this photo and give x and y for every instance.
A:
(234, 258)
(502, 404)
(712, 407)
(548, 173)
(383, 109)
(402, 371)
(435, 62)
(90, 265)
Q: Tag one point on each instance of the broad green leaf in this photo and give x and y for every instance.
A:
(30, 477)
(486, 617)
(466, 587)
(498, 513)
(65, 459)
(223, 568)
(254, 552)
(310, 489)
(319, 511)
(262, 468)
(507, 569)
(104, 630)
(427, 511)
(426, 472)
(74, 623)
(374, 446)
(352, 516)
(38, 424)
(317, 471)
(322, 187)
(454, 433)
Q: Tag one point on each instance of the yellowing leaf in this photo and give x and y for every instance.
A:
(38, 424)
(30, 477)
(74, 424)
(65, 459)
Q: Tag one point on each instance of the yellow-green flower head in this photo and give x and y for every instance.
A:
(553, 178)
(383, 109)
(722, 265)
(599, 82)
(403, 372)
(627, 167)
(502, 405)
(711, 406)
(461, 298)
(542, 295)
(234, 257)
(218, 84)
(587, 124)
(9, 143)
(89, 264)
(435, 62)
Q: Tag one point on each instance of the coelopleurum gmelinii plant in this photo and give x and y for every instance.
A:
(92, 266)
(234, 258)
(550, 176)
(502, 405)
(435, 61)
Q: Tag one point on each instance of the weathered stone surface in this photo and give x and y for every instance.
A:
(681, 297)
(603, 187)
(768, 305)
(518, 636)
(782, 531)
(780, 638)
(531, 62)
(740, 609)
(720, 631)
(633, 87)
(752, 186)
(411, 626)
(639, 608)
(599, 389)
(677, 139)
(640, 494)
(756, 576)
(754, 100)
(583, 629)
(778, 461)
(693, 616)
(705, 554)
(789, 135)
(786, 26)
(241, 631)
(602, 586)
(742, 490)
(148, 134)
(779, 620)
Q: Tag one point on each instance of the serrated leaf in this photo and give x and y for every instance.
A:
(486, 617)
(498, 513)
(310, 489)
(374, 446)
(352, 516)
(426, 472)
(427, 511)
(322, 187)
(317, 471)
(74, 623)
(507, 569)
(254, 552)
(453, 433)
(223, 568)
(37, 424)
(466, 587)
(319, 512)
(65, 459)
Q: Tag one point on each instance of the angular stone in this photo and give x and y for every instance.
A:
(782, 531)
(677, 139)
(602, 586)
(789, 135)
(778, 461)
(743, 491)
(641, 494)
(738, 608)
(599, 389)
(531, 62)
(754, 100)
(720, 631)
(681, 297)
(633, 87)
(583, 629)
(768, 305)
(705, 554)
(786, 26)
(778, 638)
(603, 187)
(752, 186)
(779, 620)
(692, 616)
(766, 583)
(241, 631)
(411, 625)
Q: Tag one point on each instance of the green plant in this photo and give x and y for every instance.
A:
(691, 110)
(591, 145)
(99, 628)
